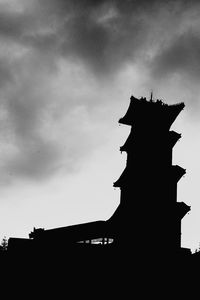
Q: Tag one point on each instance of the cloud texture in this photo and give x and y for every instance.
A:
(55, 57)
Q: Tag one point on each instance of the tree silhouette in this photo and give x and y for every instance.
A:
(4, 244)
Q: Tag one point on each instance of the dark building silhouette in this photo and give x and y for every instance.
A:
(148, 218)
(149, 209)
(19, 245)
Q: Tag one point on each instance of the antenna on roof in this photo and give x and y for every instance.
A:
(151, 99)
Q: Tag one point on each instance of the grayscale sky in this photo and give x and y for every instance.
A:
(67, 71)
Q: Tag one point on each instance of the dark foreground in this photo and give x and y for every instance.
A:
(98, 272)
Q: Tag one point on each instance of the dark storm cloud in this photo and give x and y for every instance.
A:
(104, 35)
(101, 36)
(107, 35)
(5, 73)
(34, 155)
(14, 24)
(181, 56)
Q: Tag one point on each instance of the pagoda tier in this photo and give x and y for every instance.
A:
(129, 177)
(152, 114)
(170, 139)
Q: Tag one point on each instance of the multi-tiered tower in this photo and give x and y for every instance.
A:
(149, 216)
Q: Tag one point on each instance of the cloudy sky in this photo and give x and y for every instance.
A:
(67, 71)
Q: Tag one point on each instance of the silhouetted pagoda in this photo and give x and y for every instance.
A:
(149, 216)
